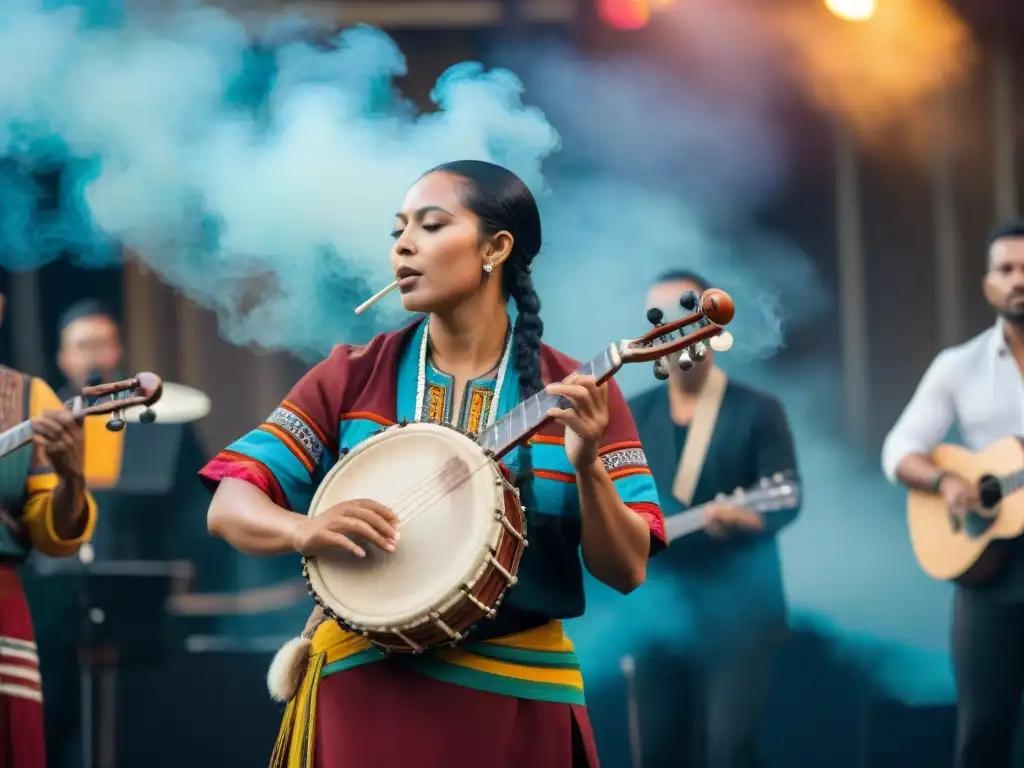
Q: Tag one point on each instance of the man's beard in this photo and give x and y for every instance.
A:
(1013, 315)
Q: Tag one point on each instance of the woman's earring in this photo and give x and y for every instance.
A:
(488, 268)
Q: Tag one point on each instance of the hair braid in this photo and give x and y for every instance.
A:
(527, 334)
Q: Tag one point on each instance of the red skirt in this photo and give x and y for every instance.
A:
(22, 740)
(386, 715)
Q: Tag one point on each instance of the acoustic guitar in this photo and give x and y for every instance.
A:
(771, 494)
(972, 549)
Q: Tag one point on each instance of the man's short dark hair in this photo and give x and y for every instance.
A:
(1014, 228)
(81, 309)
(683, 276)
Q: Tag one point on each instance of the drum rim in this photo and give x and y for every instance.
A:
(473, 575)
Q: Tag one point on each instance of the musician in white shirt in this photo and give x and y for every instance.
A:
(979, 386)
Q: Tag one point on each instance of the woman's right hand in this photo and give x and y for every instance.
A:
(333, 528)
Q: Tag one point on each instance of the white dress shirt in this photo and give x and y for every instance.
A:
(977, 385)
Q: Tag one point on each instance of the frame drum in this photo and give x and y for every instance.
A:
(462, 533)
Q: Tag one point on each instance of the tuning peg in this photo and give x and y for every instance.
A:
(685, 361)
(660, 371)
(689, 300)
(700, 352)
(722, 342)
(148, 416)
(116, 423)
(655, 316)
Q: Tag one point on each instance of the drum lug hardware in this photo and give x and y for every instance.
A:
(413, 646)
(436, 618)
(489, 612)
(403, 423)
(500, 515)
(343, 452)
(512, 580)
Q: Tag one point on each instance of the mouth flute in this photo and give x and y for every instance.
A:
(376, 297)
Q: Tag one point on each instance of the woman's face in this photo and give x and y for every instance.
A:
(438, 255)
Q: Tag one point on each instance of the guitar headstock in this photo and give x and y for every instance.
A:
(144, 389)
(778, 492)
(709, 312)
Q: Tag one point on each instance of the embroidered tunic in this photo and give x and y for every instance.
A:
(353, 394)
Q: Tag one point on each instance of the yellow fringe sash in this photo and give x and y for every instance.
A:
(536, 664)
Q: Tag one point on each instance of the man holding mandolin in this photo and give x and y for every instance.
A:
(963, 513)
(44, 505)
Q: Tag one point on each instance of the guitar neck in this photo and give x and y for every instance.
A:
(15, 437)
(783, 494)
(527, 417)
(21, 434)
(1012, 483)
(685, 523)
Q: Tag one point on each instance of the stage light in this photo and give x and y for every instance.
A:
(852, 10)
(624, 14)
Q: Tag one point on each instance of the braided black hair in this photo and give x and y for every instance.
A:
(502, 201)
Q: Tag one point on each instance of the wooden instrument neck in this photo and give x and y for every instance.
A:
(521, 422)
(21, 434)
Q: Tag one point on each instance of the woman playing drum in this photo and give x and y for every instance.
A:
(512, 693)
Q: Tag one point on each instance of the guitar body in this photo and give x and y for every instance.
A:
(970, 553)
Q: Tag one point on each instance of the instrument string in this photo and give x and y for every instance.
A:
(414, 494)
(428, 490)
(433, 492)
(420, 494)
(409, 495)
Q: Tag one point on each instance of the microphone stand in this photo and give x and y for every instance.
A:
(87, 673)
(628, 667)
(86, 638)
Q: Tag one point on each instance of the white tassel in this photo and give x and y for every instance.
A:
(288, 668)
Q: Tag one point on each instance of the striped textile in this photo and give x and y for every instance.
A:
(19, 670)
(22, 742)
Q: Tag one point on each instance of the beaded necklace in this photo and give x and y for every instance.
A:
(421, 377)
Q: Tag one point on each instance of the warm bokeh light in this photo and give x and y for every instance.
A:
(852, 10)
(624, 14)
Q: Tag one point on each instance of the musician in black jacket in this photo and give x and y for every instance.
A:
(706, 436)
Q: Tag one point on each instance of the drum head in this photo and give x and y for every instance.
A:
(446, 492)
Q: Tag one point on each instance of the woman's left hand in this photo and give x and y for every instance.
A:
(586, 421)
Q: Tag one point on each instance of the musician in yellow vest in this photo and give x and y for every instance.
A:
(979, 387)
(44, 505)
(707, 435)
(511, 696)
